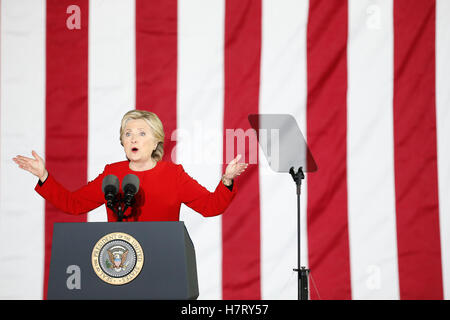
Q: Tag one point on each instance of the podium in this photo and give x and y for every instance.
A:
(122, 260)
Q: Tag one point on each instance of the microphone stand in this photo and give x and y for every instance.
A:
(118, 211)
(303, 273)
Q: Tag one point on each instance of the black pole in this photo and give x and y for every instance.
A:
(118, 211)
(302, 275)
(120, 214)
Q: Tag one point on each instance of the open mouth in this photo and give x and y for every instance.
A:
(134, 149)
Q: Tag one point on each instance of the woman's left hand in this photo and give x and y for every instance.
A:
(234, 169)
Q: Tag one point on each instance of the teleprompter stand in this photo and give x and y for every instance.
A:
(285, 149)
(303, 273)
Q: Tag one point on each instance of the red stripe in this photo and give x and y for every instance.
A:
(241, 222)
(328, 242)
(156, 63)
(416, 182)
(66, 109)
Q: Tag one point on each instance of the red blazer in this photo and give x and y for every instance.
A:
(162, 190)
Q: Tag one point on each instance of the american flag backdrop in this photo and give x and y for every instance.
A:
(368, 82)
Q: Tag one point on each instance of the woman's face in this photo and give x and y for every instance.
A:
(138, 141)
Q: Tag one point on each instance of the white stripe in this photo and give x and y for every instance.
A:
(22, 126)
(371, 195)
(282, 90)
(443, 132)
(199, 126)
(111, 82)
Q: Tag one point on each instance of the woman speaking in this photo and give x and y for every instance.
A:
(163, 186)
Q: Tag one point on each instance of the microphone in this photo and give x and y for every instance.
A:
(110, 187)
(130, 186)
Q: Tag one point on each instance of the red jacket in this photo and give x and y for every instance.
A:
(162, 190)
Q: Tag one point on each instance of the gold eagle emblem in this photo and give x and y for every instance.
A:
(117, 259)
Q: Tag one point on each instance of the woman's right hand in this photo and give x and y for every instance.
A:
(36, 166)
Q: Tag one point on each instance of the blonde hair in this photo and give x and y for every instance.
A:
(155, 125)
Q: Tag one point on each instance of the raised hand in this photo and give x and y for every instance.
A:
(233, 170)
(35, 166)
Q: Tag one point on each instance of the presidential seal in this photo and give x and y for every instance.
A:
(117, 258)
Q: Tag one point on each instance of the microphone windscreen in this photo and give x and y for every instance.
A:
(130, 179)
(110, 180)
